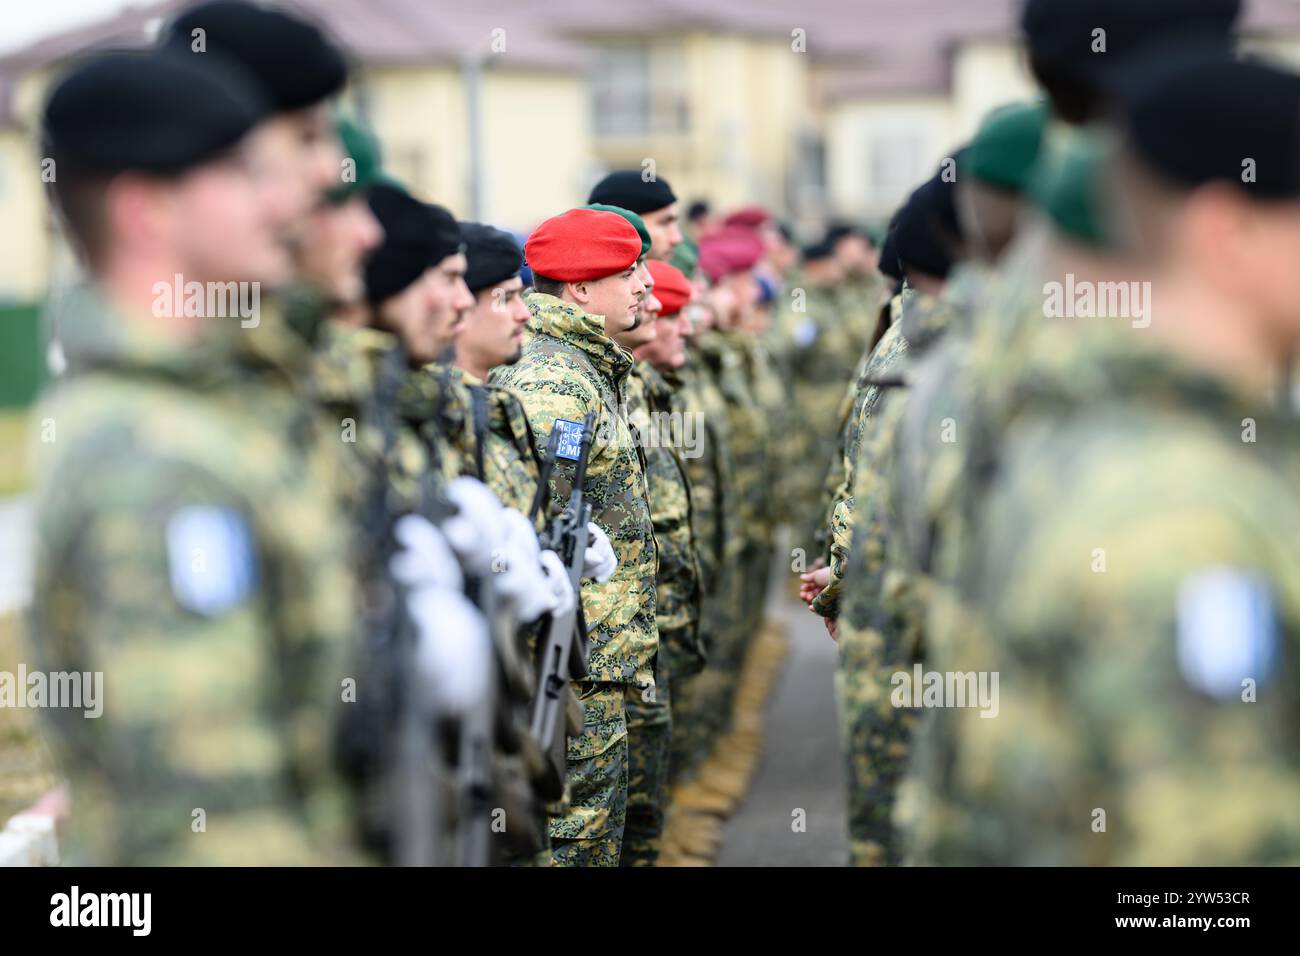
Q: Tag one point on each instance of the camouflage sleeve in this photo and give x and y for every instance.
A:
(827, 604)
(156, 585)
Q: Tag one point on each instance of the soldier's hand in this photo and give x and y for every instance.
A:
(812, 583)
(833, 627)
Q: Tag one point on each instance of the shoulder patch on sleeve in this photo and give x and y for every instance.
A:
(211, 559)
(1227, 631)
(570, 444)
(805, 332)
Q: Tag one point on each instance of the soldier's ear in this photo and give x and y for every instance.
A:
(580, 291)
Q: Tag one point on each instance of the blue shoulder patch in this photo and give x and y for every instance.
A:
(211, 559)
(805, 332)
(1227, 631)
(570, 444)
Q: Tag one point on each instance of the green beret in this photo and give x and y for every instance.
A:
(637, 222)
(1006, 147)
(360, 146)
(1069, 185)
(686, 257)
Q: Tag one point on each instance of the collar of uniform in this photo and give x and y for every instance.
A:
(436, 391)
(94, 335)
(348, 360)
(568, 323)
(656, 383)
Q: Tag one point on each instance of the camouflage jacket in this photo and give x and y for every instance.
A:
(362, 380)
(677, 604)
(1135, 581)
(190, 551)
(571, 367)
(889, 353)
(708, 465)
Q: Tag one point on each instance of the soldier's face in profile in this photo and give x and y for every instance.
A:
(406, 315)
(668, 350)
(335, 246)
(318, 151)
(665, 228)
(219, 227)
(448, 300)
(493, 331)
(644, 331)
(616, 297)
(273, 158)
(1253, 255)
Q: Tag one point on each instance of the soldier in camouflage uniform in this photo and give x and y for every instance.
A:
(200, 540)
(660, 426)
(649, 717)
(491, 335)
(708, 470)
(584, 266)
(1140, 635)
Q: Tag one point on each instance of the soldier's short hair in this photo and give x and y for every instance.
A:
(78, 197)
(548, 286)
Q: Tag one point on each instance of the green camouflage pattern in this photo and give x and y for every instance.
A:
(1078, 610)
(570, 367)
(677, 601)
(590, 832)
(213, 744)
(650, 722)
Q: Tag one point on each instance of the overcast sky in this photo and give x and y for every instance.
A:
(22, 21)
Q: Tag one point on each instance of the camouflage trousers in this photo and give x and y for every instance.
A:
(649, 732)
(876, 738)
(696, 714)
(617, 776)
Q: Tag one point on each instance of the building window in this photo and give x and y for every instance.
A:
(637, 91)
(895, 159)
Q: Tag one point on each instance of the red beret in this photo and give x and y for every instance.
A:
(729, 250)
(751, 217)
(582, 244)
(671, 287)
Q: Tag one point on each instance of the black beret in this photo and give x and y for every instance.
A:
(1203, 122)
(627, 189)
(815, 251)
(1060, 32)
(290, 57)
(417, 236)
(148, 110)
(839, 230)
(493, 255)
(925, 230)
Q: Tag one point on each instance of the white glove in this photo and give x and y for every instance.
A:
(598, 561)
(453, 653)
(519, 578)
(557, 580)
(426, 559)
(475, 531)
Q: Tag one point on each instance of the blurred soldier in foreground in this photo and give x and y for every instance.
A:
(184, 545)
(1140, 635)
